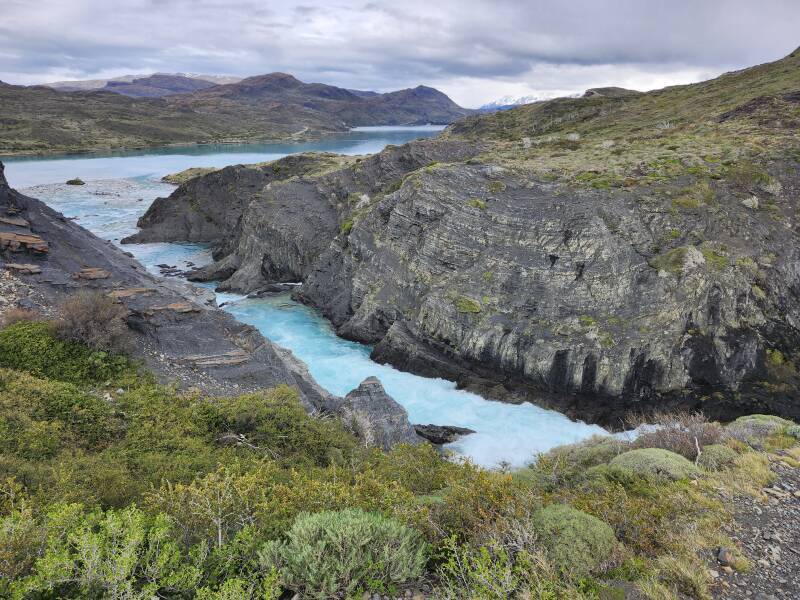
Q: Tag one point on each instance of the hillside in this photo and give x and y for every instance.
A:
(595, 254)
(77, 85)
(154, 447)
(270, 107)
(157, 86)
(420, 105)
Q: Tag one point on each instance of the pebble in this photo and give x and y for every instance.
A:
(725, 557)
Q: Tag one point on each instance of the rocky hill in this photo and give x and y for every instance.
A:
(76, 85)
(597, 254)
(166, 109)
(420, 105)
(157, 86)
(45, 258)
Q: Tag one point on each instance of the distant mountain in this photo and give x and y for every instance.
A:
(158, 86)
(96, 84)
(159, 110)
(347, 108)
(507, 102)
(87, 84)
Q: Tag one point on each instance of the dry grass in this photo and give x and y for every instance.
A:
(684, 433)
(16, 315)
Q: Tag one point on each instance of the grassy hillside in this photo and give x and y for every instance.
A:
(268, 107)
(618, 140)
(114, 486)
(41, 120)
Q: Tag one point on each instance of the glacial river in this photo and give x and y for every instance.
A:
(121, 185)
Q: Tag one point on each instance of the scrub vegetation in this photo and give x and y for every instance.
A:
(113, 486)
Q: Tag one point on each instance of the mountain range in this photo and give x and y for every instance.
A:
(176, 109)
(96, 84)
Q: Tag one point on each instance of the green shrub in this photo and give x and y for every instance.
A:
(111, 554)
(52, 415)
(793, 431)
(477, 203)
(275, 421)
(339, 553)
(346, 227)
(577, 543)
(656, 461)
(717, 457)
(567, 463)
(754, 429)
(32, 347)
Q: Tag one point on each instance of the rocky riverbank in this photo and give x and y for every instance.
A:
(177, 329)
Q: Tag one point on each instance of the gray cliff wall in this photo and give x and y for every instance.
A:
(591, 300)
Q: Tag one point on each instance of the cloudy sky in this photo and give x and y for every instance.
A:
(474, 50)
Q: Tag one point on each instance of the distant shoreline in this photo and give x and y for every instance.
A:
(291, 139)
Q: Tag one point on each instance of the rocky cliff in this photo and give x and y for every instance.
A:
(596, 254)
(45, 257)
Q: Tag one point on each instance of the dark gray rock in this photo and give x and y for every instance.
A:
(441, 434)
(591, 301)
(374, 416)
(177, 334)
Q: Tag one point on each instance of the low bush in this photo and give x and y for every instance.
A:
(717, 457)
(53, 416)
(495, 572)
(576, 543)
(754, 429)
(681, 433)
(339, 553)
(112, 554)
(32, 347)
(656, 462)
(94, 319)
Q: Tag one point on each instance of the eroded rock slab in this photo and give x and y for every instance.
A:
(375, 417)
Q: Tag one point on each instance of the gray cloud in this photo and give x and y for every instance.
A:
(475, 50)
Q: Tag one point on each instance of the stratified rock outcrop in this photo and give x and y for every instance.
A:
(375, 417)
(178, 335)
(527, 260)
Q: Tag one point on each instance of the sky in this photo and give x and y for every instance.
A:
(473, 50)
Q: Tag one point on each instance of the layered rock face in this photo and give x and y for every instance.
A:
(583, 299)
(375, 417)
(590, 254)
(178, 334)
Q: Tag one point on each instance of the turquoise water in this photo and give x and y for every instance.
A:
(119, 189)
(155, 163)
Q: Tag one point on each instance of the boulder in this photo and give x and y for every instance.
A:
(374, 416)
(441, 434)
